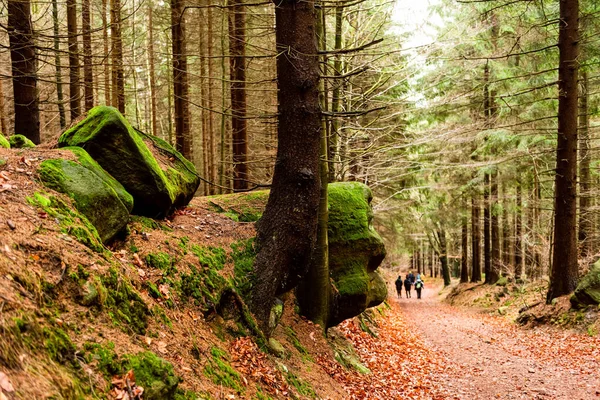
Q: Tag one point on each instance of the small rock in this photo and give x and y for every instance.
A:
(11, 224)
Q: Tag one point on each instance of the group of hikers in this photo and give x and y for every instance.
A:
(410, 281)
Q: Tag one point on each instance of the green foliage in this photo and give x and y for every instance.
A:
(221, 372)
(20, 142)
(243, 254)
(162, 261)
(124, 304)
(211, 257)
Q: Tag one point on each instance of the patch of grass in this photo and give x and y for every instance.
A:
(211, 257)
(221, 372)
(304, 388)
(291, 334)
(162, 261)
(243, 255)
(205, 287)
(124, 304)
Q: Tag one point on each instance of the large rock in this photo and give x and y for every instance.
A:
(158, 177)
(355, 251)
(20, 142)
(97, 195)
(588, 289)
(3, 142)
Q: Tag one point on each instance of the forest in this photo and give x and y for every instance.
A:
(241, 183)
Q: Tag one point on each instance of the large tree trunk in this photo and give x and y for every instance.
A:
(563, 277)
(3, 122)
(443, 256)
(24, 69)
(180, 80)
(287, 232)
(58, 74)
(475, 239)
(74, 89)
(88, 74)
(118, 79)
(237, 71)
(464, 247)
(585, 200)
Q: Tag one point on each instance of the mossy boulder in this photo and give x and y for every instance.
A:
(588, 289)
(158, 177)
(20, 142)
(355, 252)
(154, 374)
(3, 142)
(96, 194)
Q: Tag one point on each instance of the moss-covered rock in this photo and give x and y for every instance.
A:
(20, 142)
(154, 374)
(588, 289)
(355, 251)
(158, 177)
(3, 142)
(97, 195)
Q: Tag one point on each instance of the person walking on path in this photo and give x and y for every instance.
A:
(407, 285)
(419, 285)
(411, 277)
(399, 286)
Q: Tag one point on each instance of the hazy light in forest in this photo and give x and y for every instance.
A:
(416, 19)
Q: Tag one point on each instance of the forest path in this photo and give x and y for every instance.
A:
(495, 359)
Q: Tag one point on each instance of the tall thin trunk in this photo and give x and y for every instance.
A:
(57, 62)
(74, 89)
(443, 256)
(518, 233)
(585, 200)
(564, 275)
(475, 239)
(223, 161)
(180, 80)
(287, 232)
(88, 73)
(118, 79)
(464, 247)
(495, 231)
(136, 103)
(152, 72)
(205, 113)
(3, 123)
(212, 176)
(237, 70)
(506, 247)
(107, 93)
(487, 242)
(334, 133)
(24, 69)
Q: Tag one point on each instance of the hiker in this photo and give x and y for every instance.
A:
(407, 285)
(419, 285)
(410, 277)
(399, 286)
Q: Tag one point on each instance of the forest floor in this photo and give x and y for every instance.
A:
(469, 354)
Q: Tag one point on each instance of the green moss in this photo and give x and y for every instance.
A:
(221, 372)
(154, 374)
(104, 358)
(588, 289)
(241, 207)
(294, 339)
(243, 255)
(160, 314)
(204, 286)
(183, 244)
(212, 257)
(59, 345)
(149, 224)
(162, 261)
(153, 290)
(502, 281)
(303, 387)
(124, 304)
(20, 142)
(3, 142)
(70, 221)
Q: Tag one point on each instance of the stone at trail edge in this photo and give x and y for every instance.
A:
(98, 196)
(4, 142)
(20, 142)
(157, 176)
(588, 289)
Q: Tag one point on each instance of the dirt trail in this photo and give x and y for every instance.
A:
(495, 359)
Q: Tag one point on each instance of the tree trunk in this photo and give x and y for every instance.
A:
(152, 72)
(287, 232)
(237, 70)
(74, 90)
(495, 231)
(443, 256)
(564, 274)
(518, 233)
(475, 239)
(506, 247)
(487, 242)
(88, 74)
(107, 99)
(180, 80)
(334, 133)
(205, 113)
(24, 69)
(585, 200)
(58, 74)
(118, 80)
(211, 176)
(464, 246)
(3, 122)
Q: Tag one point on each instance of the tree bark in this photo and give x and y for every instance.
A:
(464, 246)
(237, 70)
(585, 200)
(24, 69)
(287, 232)
(118, 80)
(487, 242)
(3, 123)
(475, 239)
(564, 274)
(152, 72)
(180, 80)
(57, 62)
(495, 231)
(506, 231)
(519, 233)
(443, 256)
(88, 74)
(334, 134)
(74, 89)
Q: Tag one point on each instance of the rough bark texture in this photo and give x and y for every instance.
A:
(118, 80)
(107, 98)
(585, 200)
(475, 240)
(3, 123)
(237, 70)
(152, 72)
(464, 247)
(334, 134)
(180, 81)
(495, 231)
(506, 248)
(443, 256)
(487, 240)
(563, 277)
(518, 233)
(74, 89)
(287, 231)
(88, 74)
(24, 67)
